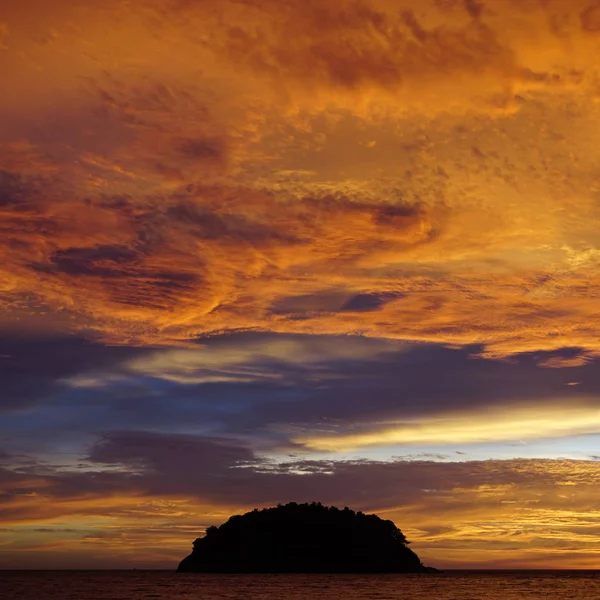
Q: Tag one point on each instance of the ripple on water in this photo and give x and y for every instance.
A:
(166, 585)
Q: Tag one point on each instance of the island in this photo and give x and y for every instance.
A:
(303, 538)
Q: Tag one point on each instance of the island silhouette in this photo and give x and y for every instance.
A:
(303, 538)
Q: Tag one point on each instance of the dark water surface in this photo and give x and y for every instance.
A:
(163, 585)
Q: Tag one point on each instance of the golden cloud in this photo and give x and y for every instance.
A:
(478, 426)
(367, 167)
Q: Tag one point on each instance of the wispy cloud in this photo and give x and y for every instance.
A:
(156, 203)
(480, 425)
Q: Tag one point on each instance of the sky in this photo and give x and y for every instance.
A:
(255, 251)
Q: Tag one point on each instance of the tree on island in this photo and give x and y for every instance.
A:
(303, 538)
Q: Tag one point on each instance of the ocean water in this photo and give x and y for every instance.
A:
(163, 585)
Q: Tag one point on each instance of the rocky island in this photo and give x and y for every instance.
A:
(303, 538)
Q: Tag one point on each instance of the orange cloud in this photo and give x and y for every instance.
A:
(422, 174)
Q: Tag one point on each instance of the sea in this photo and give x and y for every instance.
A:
(167, 585)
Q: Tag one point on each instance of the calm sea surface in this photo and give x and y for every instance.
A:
(162, 585)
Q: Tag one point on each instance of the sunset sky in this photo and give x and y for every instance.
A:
(260, 251)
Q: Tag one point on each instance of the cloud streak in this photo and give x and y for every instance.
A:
(478, 426)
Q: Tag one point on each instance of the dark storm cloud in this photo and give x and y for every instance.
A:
(169, 454)
(370, 301)
(95, 260)
(13, 190)
(206, 224)
(32, 369)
